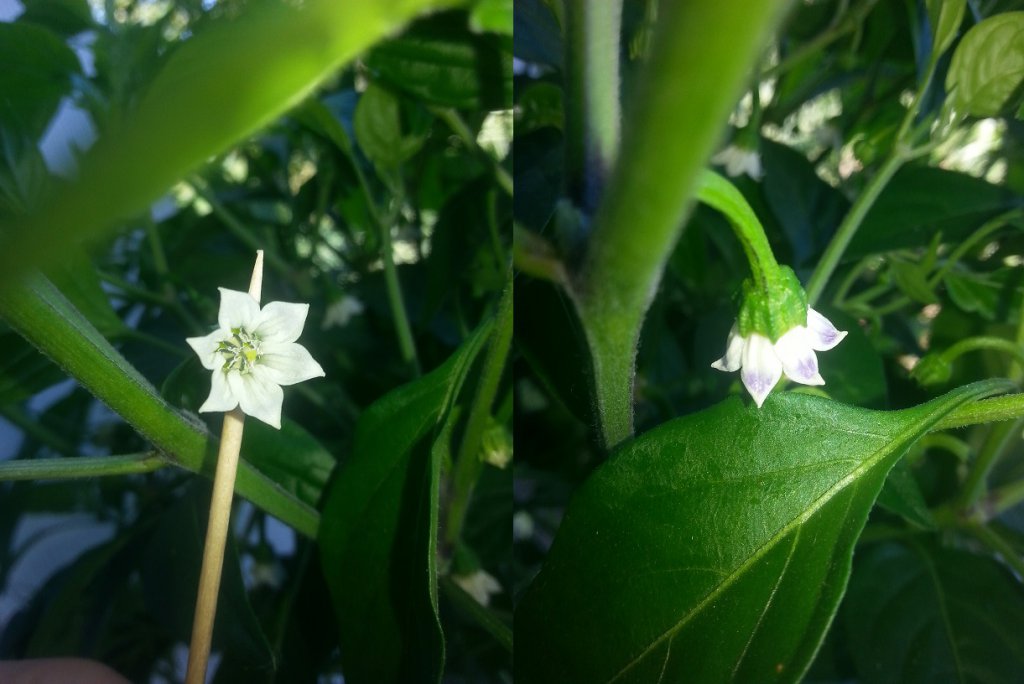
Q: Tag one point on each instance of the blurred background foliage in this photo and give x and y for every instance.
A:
(932, 277)
(384, 201)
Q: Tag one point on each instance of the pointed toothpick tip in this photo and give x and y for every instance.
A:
(256, 284)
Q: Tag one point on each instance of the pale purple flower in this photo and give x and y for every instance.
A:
(762, 364)
(252, 354)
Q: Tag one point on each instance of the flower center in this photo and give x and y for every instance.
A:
(242, 351)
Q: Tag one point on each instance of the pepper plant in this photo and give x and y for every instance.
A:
(863, 526)
(363, 149)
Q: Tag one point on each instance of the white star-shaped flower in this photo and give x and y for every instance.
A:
(763, 363)
(252, 354)
(738, 161)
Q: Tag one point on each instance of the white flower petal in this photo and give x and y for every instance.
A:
(237, 310)
(287, 364)
(206, 348)
(762, 369)
(221, 397)
(824, 335)
(752, 165)
(280, 322)
(798, 360)
(733, 352)
(258, 396)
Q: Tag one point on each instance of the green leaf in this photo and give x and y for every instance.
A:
(921, 201)
(44, 317)
(491, 15)
(442, 63)
(988, 66)
(36, 74)
(808, 208)
(715, 547)
(378, 128)
(902, 496)
(912, 280)
(920, 613)
(76, 279)
(66, 17)
(215, 89)
(945, 17)
(379, 532)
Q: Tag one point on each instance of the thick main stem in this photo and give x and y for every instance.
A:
(593, 108)
(219, 524)
(700, 60)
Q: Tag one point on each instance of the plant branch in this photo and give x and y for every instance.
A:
(81, 467)
(676, 119)
(984, 411)
(593, 109)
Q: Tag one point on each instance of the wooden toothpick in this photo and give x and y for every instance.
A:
(217, 528)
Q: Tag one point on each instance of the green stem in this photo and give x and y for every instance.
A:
(849, 226)
(468, 464)
(396, 301)
(983, 344)
(80, 467)
(722, 195)
(671, 133)
(834, 32)
(1004, 498)
(481, 615)
(995, 445)
(995, 541)
(454, 121)
(593, 107)
(902, 152)
(37, 311)
(984, 411)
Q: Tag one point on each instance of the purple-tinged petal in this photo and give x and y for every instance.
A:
(733, 352)
(798, 360)
(762, 369)
(824, 335)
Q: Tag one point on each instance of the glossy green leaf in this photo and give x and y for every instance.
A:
(44, 317)
(715, 547)
(922, 201)
(215, 89)
(988, 66)
(379, 532)
(438, 60)
(38, 67)
(919, 613)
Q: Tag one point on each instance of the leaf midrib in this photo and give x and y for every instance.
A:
(867, 464)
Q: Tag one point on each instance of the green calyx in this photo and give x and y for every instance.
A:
(774, 305)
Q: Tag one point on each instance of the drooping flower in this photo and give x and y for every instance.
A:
(252, 354)
(739, 160)
(479, 584)
(762, 363)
